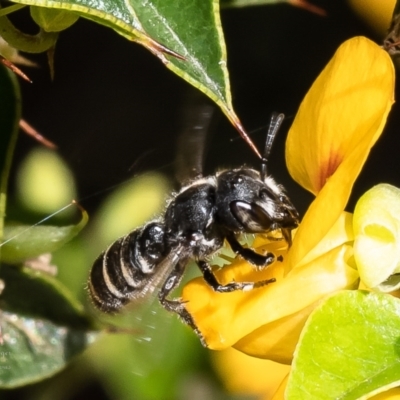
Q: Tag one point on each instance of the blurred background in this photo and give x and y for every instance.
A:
(115, 114)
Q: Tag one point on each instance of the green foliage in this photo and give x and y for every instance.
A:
(53, 20)
(10, 106)
(349, 348)
(25, 241)
(195, 51)
(42, 327)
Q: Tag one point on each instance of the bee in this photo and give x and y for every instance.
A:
(197, 220)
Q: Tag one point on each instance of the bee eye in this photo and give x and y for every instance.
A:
(251, 216)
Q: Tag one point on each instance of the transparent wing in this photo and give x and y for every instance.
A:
(192, 141)
(152, 328)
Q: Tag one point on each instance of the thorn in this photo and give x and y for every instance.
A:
(160, 48)
(245, 136)
(309, 7)
(31, 131)
(14, 68)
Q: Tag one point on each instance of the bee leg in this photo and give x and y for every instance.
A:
(250, 255)
(211, 279)
(176, 306)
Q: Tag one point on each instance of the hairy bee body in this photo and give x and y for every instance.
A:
(195, 224)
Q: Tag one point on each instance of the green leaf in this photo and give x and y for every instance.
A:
(11, 9)
(296, 3)
(38, 43)
(53, 20)
(25, 241)
(42, 327)
(349, 348)
(248, 3)
(10, 114)
(193, 30)
(35, 294)
(185, 35)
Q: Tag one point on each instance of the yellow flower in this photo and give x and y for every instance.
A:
(376, 226)
(338, 122)
(244, 375)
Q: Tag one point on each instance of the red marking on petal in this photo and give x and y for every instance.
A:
(328, 169)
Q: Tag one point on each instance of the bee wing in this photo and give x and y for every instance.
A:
(164, 268)
(192, 141)
(155, 327)
(149, 328)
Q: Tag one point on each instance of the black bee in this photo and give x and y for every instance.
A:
(197, 220)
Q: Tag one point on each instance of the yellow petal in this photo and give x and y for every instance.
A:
(347, 106)
(277, 340)
(391, 394)
(221, 317)
(340, 233)
(246, 375)
(225, 318)
(349, 103)
(280, 393)
(327, 207)
(377, 14)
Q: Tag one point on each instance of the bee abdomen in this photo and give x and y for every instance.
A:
(102, 297)
(120, 274)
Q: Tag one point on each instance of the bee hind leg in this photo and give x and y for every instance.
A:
(177, 306)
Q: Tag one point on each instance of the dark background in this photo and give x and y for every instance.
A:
(113, 105)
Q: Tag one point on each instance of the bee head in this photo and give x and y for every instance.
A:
(247, 203)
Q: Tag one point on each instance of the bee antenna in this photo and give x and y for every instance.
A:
(273, 128)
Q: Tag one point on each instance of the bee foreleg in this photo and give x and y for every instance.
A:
(248, 254)
(211, 279)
